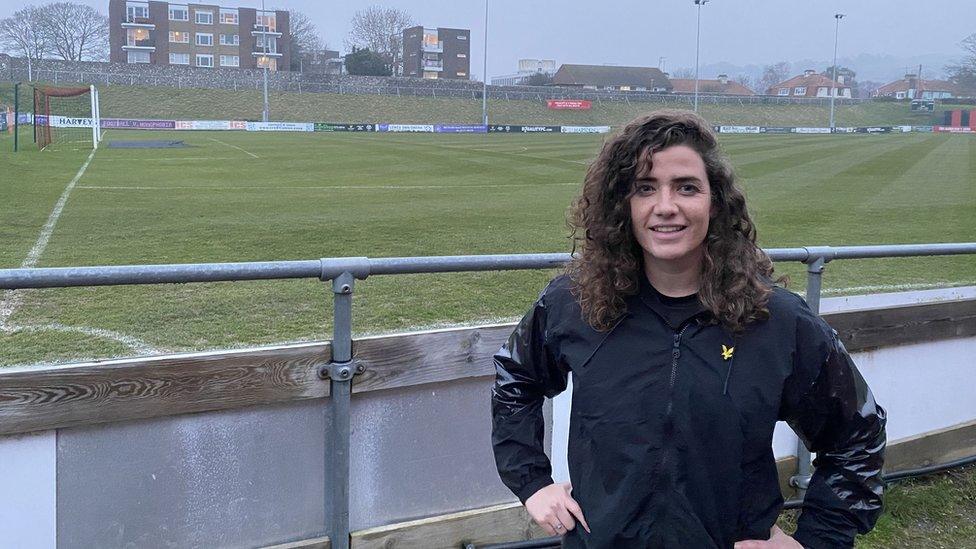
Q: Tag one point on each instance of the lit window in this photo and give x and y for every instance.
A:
(204, 39)
(204, 60)
(179, 37)
(179, 59)
(179, 13)
(203, 17)
(265, 21)
(228, 17)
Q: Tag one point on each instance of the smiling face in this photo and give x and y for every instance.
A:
(670, 208)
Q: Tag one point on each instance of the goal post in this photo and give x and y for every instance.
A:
(66, 117)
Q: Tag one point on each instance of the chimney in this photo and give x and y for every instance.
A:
(809, 72)
(723, 79)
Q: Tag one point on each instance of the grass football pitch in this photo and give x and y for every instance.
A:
(235, 196)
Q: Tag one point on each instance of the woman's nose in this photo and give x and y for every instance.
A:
(665, 203)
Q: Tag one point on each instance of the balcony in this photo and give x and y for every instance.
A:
(437, 66)
(261, 30)
(140, 45)
(432, 48)
(265, 54)
(137, 23)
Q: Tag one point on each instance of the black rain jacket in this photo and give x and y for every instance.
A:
(671, 426)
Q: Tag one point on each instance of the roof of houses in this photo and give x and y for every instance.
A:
(909, 83)
(606, 75)
(809, 79)
(719, 86)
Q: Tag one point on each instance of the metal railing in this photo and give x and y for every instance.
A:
(342, 274)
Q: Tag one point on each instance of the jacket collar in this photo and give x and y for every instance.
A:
(652, 299)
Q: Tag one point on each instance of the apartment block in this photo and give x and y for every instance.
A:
(197, 35)
(437, 53)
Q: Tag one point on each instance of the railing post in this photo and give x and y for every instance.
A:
(816, 262)
(340, 372)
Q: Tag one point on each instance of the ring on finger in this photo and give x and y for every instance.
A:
(558, 526)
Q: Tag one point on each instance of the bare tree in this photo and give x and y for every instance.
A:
(75, 31)
(305, 41)
(772, 75)
(683, 73)
(963, 74)
(380, 30)
(746, 81)
(22, 34)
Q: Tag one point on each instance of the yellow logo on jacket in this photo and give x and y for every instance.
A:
(727, 352)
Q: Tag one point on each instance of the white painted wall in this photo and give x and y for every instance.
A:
(28, 493)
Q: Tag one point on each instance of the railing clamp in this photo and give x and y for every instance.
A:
(801, 482)
(341, 371)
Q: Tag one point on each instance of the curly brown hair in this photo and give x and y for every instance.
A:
(607, 259)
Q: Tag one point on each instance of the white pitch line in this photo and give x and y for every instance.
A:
(131, 342)
(234, 147)
(327, 187)
(12, 299)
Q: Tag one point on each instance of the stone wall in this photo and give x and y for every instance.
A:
(101, 73)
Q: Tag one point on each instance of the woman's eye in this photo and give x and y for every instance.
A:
(688, 189)
(644, 188)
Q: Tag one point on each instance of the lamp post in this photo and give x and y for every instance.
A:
(484, 84)
(833, 82)
(698, 3)
(266, 112)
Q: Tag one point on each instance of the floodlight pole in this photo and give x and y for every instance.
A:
(833, 82)
(266, 112)
(484, 85)
(698, 3)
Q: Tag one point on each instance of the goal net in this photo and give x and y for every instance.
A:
(66, 117)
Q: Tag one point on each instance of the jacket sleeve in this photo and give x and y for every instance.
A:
(525, 373)
(830, 407)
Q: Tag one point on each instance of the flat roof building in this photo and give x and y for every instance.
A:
(437, 53)
(197, 35)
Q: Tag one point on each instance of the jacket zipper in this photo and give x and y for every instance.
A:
(669, 420)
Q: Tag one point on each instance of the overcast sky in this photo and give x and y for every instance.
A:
(640, 32)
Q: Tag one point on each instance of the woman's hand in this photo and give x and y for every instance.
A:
(553, 509)
(777, 540)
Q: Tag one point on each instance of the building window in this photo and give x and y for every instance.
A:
(179, 59)
(800, 90)
(179, 13)
(264, 43)
(783, 91)
(267, 62)
(230, 61)
(138, 57)
(179, 37)
(462, 74)
(462, 37)
(230, 39)
(204, 39)
(228, 17)
(265, 21)
(203, 17)
(204, 60)
(138, 37)
(462, 55)
(136, 13)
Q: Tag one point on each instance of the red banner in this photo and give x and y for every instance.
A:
(577, 104)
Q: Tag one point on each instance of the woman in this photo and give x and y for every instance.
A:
(684, 354)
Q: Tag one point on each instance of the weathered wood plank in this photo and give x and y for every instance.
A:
(871, 329)
(942, 446)
(40, 398)
(496, 524)
(428, 357)
(33, 399)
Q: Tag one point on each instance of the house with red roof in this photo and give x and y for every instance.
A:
(811, 84)
(913, 87)
(719, 86)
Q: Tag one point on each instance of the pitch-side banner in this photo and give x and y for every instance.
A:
(509, 128)
(280, 127)
(953, 129)
(460, 128)
(424, 128)
(811, 130)
(574, 104)
(738, 129)
(132, 124)
(584, 129)
(211, 125)
(330, 127)
(775, 129)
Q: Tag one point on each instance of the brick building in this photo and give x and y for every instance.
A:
(437, 53)
(811, 84)
(197, 35)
